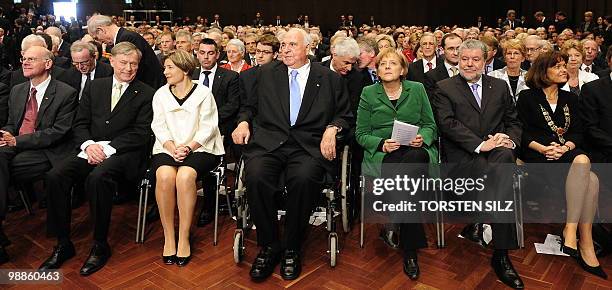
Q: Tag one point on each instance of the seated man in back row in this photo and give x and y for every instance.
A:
(297, 108)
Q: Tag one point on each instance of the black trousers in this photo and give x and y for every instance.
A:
(304, 177)
(19, 168)
(504, 234)
(412, 235)
(100, 185)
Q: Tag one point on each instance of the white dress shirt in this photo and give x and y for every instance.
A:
(40, 90)
(84, 80)
(433, 64)
(211, 76)
(196, 120)
(302, 77)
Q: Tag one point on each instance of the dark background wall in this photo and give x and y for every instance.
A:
(326, 12)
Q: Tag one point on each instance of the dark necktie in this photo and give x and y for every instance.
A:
(374, 76)
(587, 69)
(429, 65)
(206, 81)
(29, 118)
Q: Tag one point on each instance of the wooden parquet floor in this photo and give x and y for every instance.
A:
(461, 265)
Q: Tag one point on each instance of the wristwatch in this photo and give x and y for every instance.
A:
(338, 129)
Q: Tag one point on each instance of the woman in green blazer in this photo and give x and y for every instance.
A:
(381, 104)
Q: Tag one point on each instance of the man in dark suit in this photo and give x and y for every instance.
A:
(591, 63)
(588, 25)
(278, 21)
(266, 52)
(561, 22)
(111, 129)
(597, 115)
(150, 71)
(63, 49)
(85, 68)
(344, 61)
(224, 86)
(541, 20)
(34, 139)
(480, 128)
(4, 100)
(450, 43)
(368, 50)
(17, 76)
(510, 20)
(492, 63)
(418, 69)
(298, 109)
(250, 45)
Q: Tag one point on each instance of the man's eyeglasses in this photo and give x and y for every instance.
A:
(263, 52)
(81, 63)
(32, 59)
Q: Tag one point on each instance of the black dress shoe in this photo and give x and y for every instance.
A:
(567, 250)
(474, 233)
(4, 257)
(169, 260)
(505, 271)
(597, 271)
(61, 253)
(264, 264)
(390, 238)
(98, 256)
(411, 268)
(291, 265)
(205, 218)
(182, 261)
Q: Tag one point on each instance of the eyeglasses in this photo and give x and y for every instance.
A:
(81, 63)
(32, 59)
(263, 52)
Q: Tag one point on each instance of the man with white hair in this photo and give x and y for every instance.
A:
(533, 48)
(297, 109)
(63, 47)
(344, 62)
(58, 60)
(477, 117)
(589, 63)
(102, 28)
(418, 69)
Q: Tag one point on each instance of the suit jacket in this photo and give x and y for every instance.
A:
(597, 115)
(4, 106)
(64, 50)
(72, 76)
(18, 78)
(53, 123)
(325, 102)
(583, 26)
(62, 61)
(463, 125)
(227, 95)
(150, 70)
(535, 127)
(515, 24)
(127, 127)
(355, 83)
(367, 78)
(375, 121)
(603, 73)
(247, 82)
(433, 77)
(416, 70)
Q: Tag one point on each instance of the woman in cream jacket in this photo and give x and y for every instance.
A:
(187, 145)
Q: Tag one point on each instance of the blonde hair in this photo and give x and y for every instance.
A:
(575, 44)
(392, 52)
(183, 60)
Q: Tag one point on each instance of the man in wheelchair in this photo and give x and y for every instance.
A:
(297, 109)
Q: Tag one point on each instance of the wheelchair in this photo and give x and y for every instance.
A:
(338, 194)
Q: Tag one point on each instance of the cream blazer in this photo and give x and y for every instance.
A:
(583, 78)
(196, 120)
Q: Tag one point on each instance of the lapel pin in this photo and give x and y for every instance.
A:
(318, 85)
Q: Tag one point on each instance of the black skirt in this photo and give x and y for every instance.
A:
(201, 162)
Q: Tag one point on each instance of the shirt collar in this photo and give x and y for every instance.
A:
(42, 87)
(330, 66)
(213, 70)
(448, 66)
(611, 75)
(479, 82)
(123, 84)
(115, 38)
(302, 70)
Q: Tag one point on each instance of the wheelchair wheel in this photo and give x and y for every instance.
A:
(238, 246)
(333, 249)
(345, 185)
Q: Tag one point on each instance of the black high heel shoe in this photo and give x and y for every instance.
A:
(597, 271)
(169, 260)
(567, 250)
(183, 261)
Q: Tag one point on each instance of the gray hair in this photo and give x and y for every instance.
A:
(125, 48)
(55, 40)
(79, 46)
(237, 43)
(98, 21)
(32, 40)
(183, 33)
(53, 30)
(539, 41)
(347, 47)
(303, 32)
(473, 44)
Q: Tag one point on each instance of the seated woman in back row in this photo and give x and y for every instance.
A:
(187, 145)
(381, 104)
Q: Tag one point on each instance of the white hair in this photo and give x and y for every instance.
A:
(347, 47)
(237, 43)
(32, 40)
(473, 44)
(97, 21)
(304, 34)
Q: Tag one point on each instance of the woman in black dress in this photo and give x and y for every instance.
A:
(553, 133)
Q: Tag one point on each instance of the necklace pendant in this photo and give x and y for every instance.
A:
(560, 131)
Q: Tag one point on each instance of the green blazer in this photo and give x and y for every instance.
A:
(375, 117)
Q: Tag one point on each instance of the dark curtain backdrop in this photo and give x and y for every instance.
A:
(386, 12)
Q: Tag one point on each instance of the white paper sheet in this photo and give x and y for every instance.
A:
(551, 246)
(404, 132)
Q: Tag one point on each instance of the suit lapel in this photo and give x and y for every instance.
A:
(20, 102)
(310, 92)
(487, 92)
(281, 75)
(46, 101)
(380, 93)
(217, 82)
(128, 95)
(467, 93)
